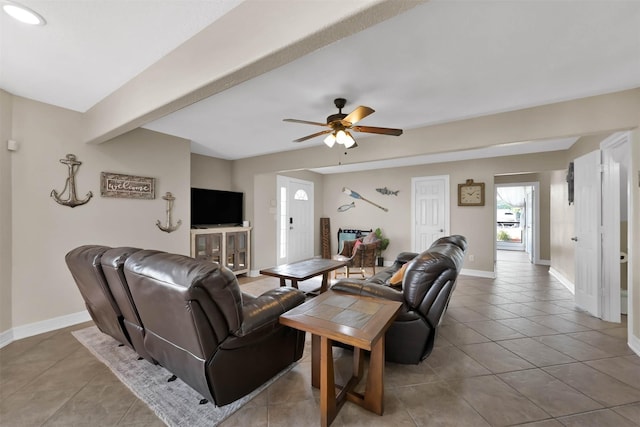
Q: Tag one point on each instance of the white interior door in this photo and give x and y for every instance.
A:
(295, 220)
(611, 242)
(430, 210)
(587, 190)
(611, 217)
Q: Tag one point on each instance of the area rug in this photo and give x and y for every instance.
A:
(174, 402)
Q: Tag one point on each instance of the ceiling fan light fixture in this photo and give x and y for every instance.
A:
(330, 140)
(341, 137)
(22, 13)
(348, 140)
(340, 124)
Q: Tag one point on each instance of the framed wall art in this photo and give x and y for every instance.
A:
(127, 186)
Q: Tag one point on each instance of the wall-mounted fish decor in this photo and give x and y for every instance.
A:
(347, 207)
(387, 192)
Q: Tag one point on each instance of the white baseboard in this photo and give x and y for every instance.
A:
(43, 326)
(478, 273)
(544, 262)
(634, 344)
(566, 282)
(6, 337)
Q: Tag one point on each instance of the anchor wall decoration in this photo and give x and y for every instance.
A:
(169, 227)
(70, 185)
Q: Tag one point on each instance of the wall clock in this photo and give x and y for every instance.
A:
(471, 193)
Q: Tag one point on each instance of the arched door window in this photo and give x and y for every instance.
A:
(301, 195)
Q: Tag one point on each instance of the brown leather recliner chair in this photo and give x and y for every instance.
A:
(113, 267)
(85, 266)
(202, 328)
(427, 285)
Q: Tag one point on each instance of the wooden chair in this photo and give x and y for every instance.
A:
(363, 257)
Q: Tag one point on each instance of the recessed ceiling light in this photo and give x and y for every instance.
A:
(23, 13)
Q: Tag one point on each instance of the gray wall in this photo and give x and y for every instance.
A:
(211, 173)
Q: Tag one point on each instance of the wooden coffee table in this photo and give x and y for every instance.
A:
(350, 319)
(304, 270)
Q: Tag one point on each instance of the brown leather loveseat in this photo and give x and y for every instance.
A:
(191, 317)
(426, 286)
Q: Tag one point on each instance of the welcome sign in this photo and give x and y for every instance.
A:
(127, 186)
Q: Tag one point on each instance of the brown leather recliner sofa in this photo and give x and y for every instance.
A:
(191, 316)
(112, 263)
(426, 288)
(86, 268)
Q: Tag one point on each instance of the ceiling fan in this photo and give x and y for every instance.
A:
(340, 124)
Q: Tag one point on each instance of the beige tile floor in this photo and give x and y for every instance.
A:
(511, 351)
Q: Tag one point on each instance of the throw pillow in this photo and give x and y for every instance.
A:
(370, 238)
(397, 277)
(355, 246)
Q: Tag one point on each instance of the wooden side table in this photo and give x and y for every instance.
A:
(350, 319)
(304, 270)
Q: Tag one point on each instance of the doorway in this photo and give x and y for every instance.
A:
(517, 217)
(603, 220)
(615, 222)
(294, 238)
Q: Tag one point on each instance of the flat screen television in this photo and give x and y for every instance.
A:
(215, 208)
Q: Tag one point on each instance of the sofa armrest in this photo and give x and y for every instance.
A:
(351, 281)
(266, 309)
(368, 289)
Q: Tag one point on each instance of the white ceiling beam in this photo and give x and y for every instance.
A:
(253, 38)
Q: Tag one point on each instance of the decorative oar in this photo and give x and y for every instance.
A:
(355, 195)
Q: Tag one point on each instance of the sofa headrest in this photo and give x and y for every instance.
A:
(455, 239)
(189, 280)
(449, 250)
(116, 257)
(434, 266)
(84, 263)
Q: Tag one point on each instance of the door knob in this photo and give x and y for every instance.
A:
(442, 230)
(575, 239)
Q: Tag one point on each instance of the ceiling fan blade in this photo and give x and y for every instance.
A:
(373, 129)
(306, 122)
(304, 138)
(358, 114)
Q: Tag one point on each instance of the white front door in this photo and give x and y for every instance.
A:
(587, 190)
(295, 220)
(430, 210)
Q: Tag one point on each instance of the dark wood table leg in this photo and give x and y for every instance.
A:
(358, 362)
(294, 283)
(374, 394)
(315, 361)
(373, 397)
(325, 282)
(328, 407)
(283, 282)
